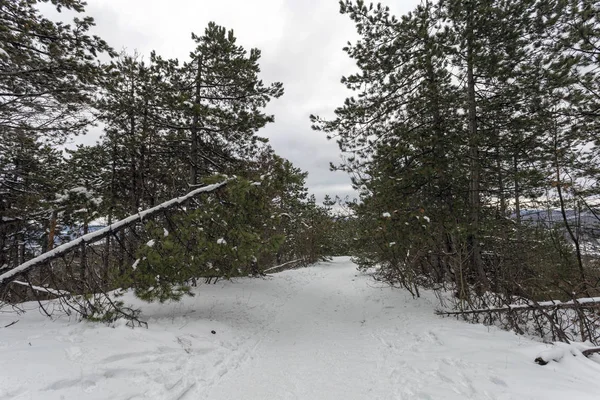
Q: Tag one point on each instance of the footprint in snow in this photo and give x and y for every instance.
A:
(498, 381)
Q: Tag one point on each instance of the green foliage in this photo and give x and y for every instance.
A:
(169, 127)
(101, 309)
(464, 114)
(235, 233)
(50, 73)
(49, 70)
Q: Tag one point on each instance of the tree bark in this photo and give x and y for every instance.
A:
(574, 237)
(52, 230)
(474, 184)
(195, 131)
(83, 261)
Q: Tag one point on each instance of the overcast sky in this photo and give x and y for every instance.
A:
(301, 43)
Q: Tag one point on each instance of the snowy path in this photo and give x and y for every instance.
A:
(324, 332)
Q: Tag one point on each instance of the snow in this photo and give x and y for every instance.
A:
(386, 215)
(79, 190)
(151, 243)
(587, 300)
(426, 218)
(324, 332)
(558, 352)
(221, 241)
(135, 264)
(42, 289)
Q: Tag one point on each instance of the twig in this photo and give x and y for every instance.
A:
(11, 324)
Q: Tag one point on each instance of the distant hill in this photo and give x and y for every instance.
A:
(589, 223)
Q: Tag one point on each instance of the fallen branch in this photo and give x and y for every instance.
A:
(589, 352)
(282, 265)
(100, 234)
(42, 289)
(589, 302)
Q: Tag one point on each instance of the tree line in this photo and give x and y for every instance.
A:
(169, 127)
(472, 137)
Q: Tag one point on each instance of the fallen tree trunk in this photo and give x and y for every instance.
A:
(589, 352)
(588, 302)
(574, 320)
(98, 235)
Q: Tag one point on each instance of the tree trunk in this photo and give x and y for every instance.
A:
(500, 174)
(517, 191)
(133, 208)
(83, 261)
(52, 230)
(106, 255)
(195, 129)
(574, 237)
(474, 184)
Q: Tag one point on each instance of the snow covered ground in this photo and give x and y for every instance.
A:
(325, 332)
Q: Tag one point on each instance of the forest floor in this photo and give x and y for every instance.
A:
(324, 332)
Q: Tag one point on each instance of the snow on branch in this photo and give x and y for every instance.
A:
(282, 265)
(100, 234)
(43, 289)
(9, 220)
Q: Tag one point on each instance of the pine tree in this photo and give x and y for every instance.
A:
(467, 112)
(49, 70)
(399, 131)
(30, 173)
(219, 99)
(134, 143)
(49, 77)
